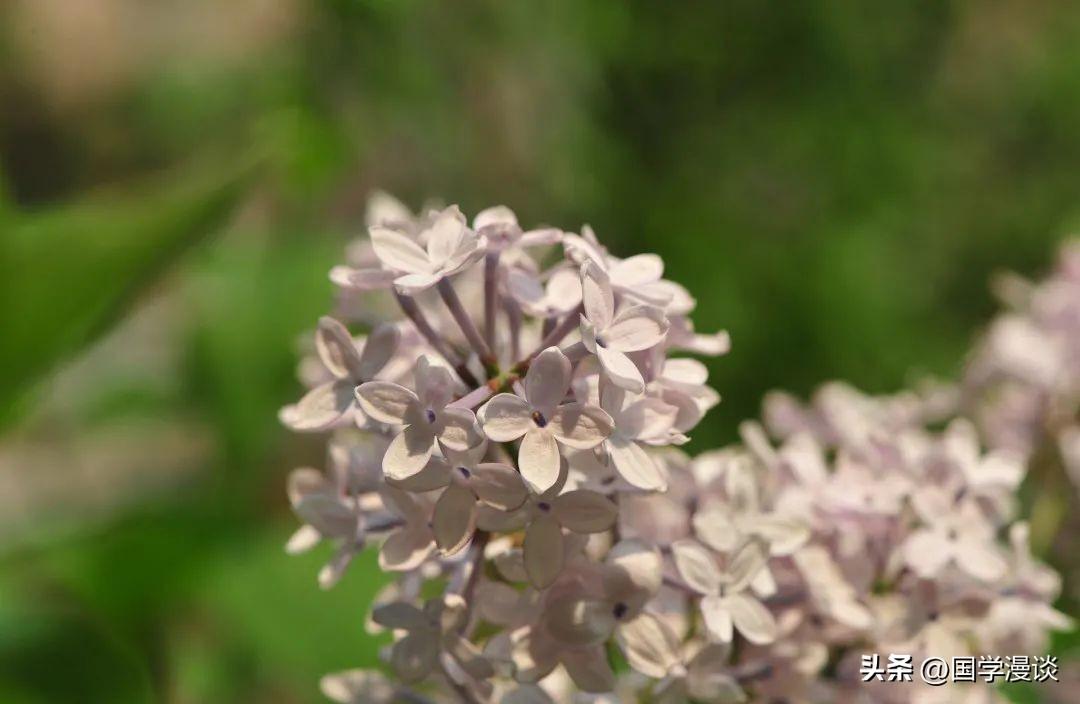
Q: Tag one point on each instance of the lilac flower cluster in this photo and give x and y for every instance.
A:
(1023, 380)
(510, 442)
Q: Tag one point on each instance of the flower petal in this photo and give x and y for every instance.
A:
(547, 380)
(926, 553)
(412, 284)
(445, 236)
(715, 528)
(980, 559)
(620, 369)
(784, 535)
(637, 328)
(319, 408)
(539, 460)
(498, 485)
(398, 615)
(386, 401)
(637, 270)
(543, 551)
(336, 349)
(596, 295)
(408, 453)
(414, 656)
(404, 550)
(362, 279)
(696, 566)
(460, 431)
(505, 417)
(397, 252)
(379, 348)
(717, 617)
(468, 657)
(580, 426)
(634, 464)
(435, 475)
(752, 619)
(579, 621)
(584, 511)
(650, 646)
(454, 520)
(744, 565)
(589, 669)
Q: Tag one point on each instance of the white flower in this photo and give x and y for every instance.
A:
(561, 294)
(466, 481)
(543, 421)
(954, 532)
(725, 605)
(423, 416)
(328, 403)
(610, 335)
(327, 514)
(451, 248)
(702, 674)
(637, 420)
(428, 632)
(408, 546)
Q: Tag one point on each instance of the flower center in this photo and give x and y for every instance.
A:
(430, 415)
(539, 419)
(464, 472)
(543, 506)
(600, 341)
(619, 610)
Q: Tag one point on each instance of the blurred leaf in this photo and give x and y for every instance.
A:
(67, 274)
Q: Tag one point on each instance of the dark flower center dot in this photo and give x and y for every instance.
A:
(600, 342)
(620, 610)
(952, 534)
(430, 415)
(465, 472)
(539, 419)
(544, 506)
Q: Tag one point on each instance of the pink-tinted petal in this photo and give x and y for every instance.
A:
(584, 511)
(926, 553)
(650, 646)
(460, 431)
(404, 550)
(336, 349)
(320, 408)
(386, 401)
(547, 380)
(454, 520)
(717, 619)
(752, 619)
(499, 486)
(543, 551)
(379, 348)
(580, 426)
(399, 253)
(362, 279)
(589, 669)
(408, 453)
(505, 417)
(539, 460)
(634, 465)
(596, 295)
(745, 565)
(980, 559)
(413, 284)
(620, 369)
(634, 329)
(637, 270)
(414, 656)
(696, 566)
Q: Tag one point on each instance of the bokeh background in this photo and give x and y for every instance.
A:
(835, 181)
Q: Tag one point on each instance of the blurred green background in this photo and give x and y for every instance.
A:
(835, 181)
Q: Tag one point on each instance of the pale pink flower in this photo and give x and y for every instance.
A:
(543, 421)
(451, 248)
(954, 532)
(329, 402)
(422, 415)
(725, 605)
(610, 335)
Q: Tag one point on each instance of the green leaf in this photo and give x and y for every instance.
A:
(68, 273)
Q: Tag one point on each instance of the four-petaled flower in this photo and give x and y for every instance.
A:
(543, 420)
(451, 248)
